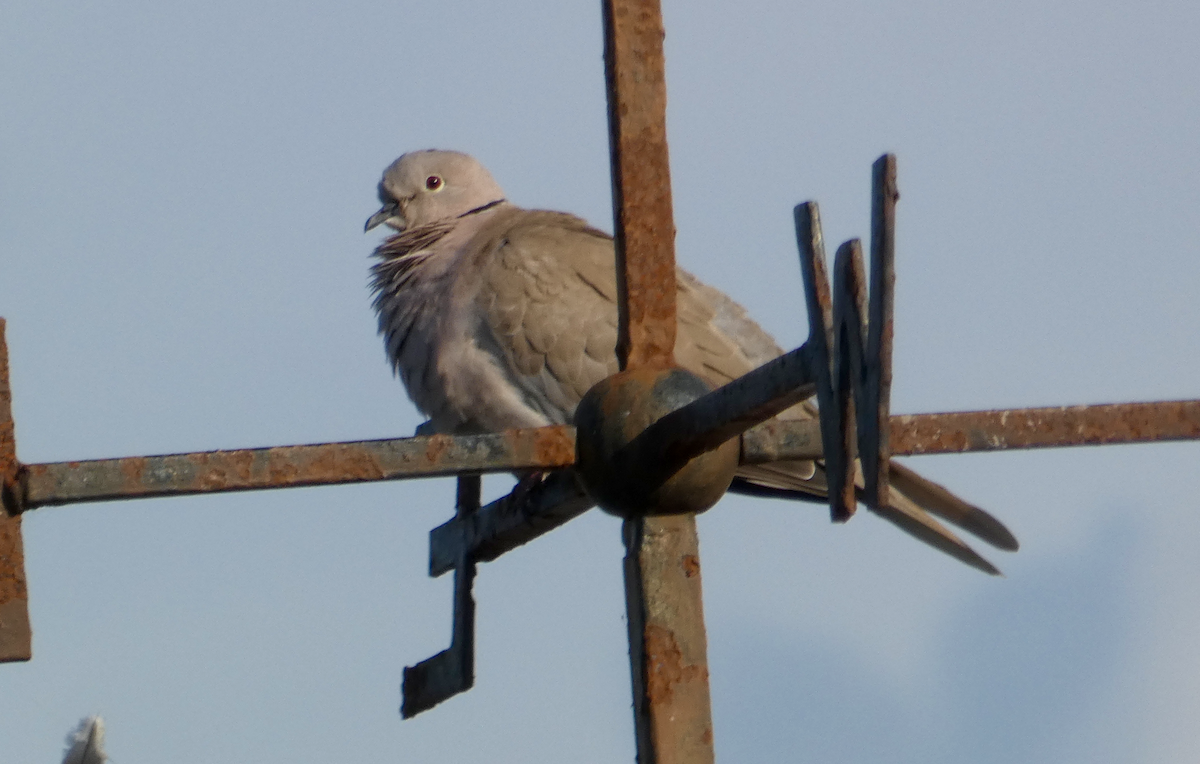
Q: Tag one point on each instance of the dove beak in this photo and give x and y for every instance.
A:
(387, 212)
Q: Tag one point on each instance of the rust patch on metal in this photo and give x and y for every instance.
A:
(131, 471)
(12, 561)
(289, 465)
(666, 671)
(222, 470)
(281, 469)
(437, 448)
(551, 445)
(691, 565)
(355, 464)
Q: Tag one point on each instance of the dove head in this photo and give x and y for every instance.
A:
(432, 186)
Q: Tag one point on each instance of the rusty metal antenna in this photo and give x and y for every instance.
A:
(673, 456)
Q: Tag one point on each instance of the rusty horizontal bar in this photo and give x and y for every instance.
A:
(968, 431)
(1111, 423)
(293, 466)
(53, 484)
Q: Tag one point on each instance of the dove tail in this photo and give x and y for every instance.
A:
(938, 500)
(913, 502)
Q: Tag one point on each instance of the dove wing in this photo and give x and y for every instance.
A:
(550, 301)
(544, 317)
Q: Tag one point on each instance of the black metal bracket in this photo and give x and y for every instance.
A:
(452, 670)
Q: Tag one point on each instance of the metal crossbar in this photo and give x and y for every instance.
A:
(53, 484)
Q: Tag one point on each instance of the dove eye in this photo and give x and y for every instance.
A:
(433, 183)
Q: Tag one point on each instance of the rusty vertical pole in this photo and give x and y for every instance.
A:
(643, 225)
(15, 635)
(668, 650)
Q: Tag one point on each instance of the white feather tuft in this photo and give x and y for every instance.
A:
(85, 744)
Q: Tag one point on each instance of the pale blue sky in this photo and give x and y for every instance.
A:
(182, 265)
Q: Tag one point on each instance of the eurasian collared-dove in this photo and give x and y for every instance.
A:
(497, 317)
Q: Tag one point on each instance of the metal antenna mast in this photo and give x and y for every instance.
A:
(669, 454)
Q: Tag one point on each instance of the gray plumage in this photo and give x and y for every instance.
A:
(496, 317)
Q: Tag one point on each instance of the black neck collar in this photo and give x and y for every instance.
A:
(487, 206)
